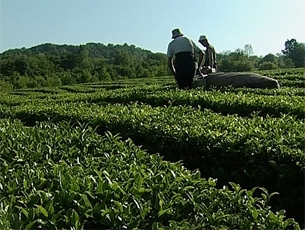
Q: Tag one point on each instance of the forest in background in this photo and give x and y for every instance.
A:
(53, 65)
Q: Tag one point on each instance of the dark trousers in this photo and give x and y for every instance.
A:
(185, 66)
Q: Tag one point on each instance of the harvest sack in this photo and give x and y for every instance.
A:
(236, 80)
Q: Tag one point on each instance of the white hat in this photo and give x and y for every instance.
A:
(176, 33)
(203, 38)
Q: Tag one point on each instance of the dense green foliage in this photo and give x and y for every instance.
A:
(293, 55)
(58, 177)
(55, 65)
(295, 51)
(62, 168)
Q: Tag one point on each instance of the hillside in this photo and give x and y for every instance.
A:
(53, 65)
(95, 50)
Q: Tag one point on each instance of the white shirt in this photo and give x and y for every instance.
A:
(181, 44)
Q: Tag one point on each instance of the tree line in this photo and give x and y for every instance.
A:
(293, 55)
(53, 65)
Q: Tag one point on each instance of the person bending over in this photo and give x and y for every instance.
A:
(182, 61)
(210, 63)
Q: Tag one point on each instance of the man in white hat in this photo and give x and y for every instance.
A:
(210, 55)
(181, 53)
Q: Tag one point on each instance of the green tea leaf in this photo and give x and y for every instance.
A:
(163, 212)
(42, 210)
(30, 225)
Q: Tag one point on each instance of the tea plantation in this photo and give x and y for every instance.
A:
(141, 154)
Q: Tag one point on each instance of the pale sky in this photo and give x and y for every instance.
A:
(229, 24)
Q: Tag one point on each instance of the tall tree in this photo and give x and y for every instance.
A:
(295, 51)
(249, 50)
(289, 46)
